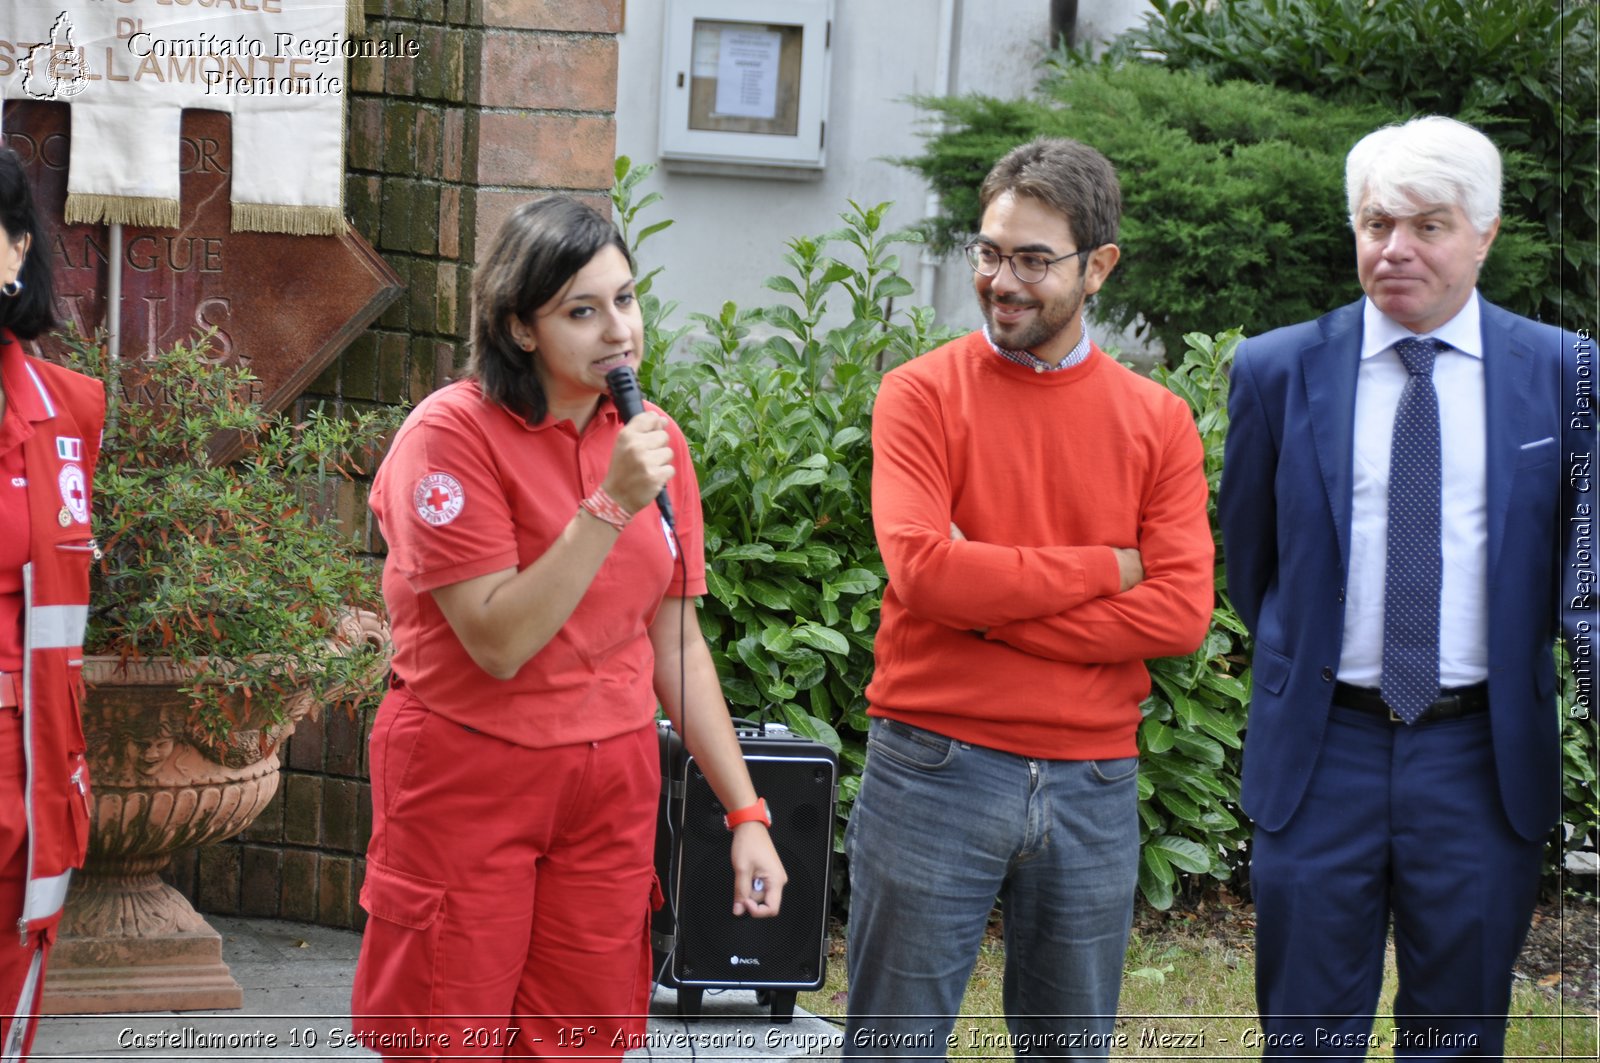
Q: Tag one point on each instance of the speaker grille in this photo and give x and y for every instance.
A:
(714, 948)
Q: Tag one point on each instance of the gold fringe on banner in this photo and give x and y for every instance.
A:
(144, 211)
(355, 19)
(286, 218)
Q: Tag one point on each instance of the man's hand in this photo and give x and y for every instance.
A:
(1130, 566)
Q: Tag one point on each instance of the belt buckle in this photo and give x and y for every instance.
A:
(1394, 717)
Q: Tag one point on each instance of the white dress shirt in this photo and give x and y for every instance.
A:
(1463, 517)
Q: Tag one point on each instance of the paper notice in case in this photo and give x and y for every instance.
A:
(747, 74)
(747, 80)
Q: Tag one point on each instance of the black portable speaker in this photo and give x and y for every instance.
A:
(699, 944)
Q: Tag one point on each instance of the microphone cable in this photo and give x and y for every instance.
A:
(669, 889)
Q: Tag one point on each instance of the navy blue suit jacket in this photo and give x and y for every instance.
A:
(1284, 506)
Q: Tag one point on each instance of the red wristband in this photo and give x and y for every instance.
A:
(603, 506)
(757, 812)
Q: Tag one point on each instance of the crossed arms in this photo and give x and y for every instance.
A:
(1091, 603)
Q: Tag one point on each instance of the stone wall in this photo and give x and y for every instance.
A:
(506, 100)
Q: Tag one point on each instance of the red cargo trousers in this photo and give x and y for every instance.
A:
(508, 891)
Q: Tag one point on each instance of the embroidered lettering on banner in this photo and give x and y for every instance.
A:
(74, 492)
(69, 448)
(439, 498)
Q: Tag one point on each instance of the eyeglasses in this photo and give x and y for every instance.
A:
(1030, 268)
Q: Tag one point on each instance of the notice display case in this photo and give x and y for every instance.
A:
(745, 87)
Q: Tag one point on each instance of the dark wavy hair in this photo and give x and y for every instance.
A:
(31, 312)
(536, 252)
(1072, 178)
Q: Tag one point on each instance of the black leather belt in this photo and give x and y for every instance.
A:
(1452, 703)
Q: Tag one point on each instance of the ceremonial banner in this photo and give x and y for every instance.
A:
(283, 306)
(129, 68)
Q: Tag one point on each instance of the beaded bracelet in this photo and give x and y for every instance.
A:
(602, 505)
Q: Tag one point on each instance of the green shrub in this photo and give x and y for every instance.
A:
(1190, 740)
(239, 572)
(1233, 194)
(1524, 71)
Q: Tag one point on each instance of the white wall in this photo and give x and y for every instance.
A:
(730, 231)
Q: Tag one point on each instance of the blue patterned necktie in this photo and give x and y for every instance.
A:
(1415, 563)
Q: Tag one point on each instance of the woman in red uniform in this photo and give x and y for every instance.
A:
(540, 610)
(50, 422)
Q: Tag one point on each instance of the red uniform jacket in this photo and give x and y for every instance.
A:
(59, 459)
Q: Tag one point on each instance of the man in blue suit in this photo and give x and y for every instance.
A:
(1397, 519)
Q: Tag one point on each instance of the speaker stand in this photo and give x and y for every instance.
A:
(782, 1001)
(689, 1003)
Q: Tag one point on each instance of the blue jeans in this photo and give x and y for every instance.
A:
(941, 829)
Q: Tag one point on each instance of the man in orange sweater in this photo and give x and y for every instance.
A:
(1042, 514)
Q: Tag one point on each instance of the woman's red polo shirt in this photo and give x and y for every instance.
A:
(468, 489)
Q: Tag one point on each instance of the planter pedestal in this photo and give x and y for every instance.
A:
(181, 971)
(161, 783)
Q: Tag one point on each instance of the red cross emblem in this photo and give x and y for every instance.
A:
(74, 492)
(439, 498)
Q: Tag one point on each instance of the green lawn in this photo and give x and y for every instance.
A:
(1192, 996)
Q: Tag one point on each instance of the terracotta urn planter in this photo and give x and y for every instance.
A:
(161, 783)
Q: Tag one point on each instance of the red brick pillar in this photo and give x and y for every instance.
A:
(547, 99)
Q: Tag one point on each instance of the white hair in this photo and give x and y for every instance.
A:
(1426, 161)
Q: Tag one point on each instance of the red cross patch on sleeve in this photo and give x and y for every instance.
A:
(74, 493)
(439, 498)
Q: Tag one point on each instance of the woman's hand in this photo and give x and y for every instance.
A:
(641, 462)
(755, 861)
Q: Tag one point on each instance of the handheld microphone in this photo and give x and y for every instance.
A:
(629, 400)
